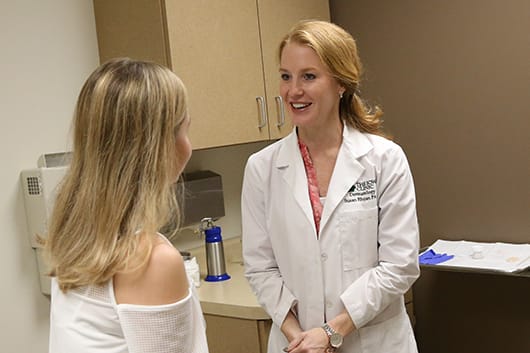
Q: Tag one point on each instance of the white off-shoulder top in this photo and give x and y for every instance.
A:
(88, 320)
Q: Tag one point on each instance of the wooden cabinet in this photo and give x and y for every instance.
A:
(276, 18)
(233, 335)
(224, 51)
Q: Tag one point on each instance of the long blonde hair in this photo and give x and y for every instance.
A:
(120, 180)
(337, 50)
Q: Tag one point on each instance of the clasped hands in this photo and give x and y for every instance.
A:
(312, 341)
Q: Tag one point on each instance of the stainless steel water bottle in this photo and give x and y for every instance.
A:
(215, 256)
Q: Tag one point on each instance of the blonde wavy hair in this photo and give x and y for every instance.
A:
(120, 183)
(337, 50)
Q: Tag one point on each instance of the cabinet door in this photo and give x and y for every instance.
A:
(276, 18)
(215, 49)
(137, 31)
(234, 335)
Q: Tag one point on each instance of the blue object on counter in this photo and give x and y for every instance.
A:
(430, 257)
(211, 278)
(215, 258)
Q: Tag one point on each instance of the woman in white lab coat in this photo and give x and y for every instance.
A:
(330, 234)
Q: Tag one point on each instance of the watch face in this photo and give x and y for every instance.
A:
(335, 340)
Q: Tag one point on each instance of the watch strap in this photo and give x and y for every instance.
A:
(335, 338)
(329, 330)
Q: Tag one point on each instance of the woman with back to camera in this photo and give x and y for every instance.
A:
(118, 285)
(330, 233)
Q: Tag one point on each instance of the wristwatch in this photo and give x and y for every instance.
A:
(335, 338)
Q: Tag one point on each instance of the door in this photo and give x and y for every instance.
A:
(215, 48)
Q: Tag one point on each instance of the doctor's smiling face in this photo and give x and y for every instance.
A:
(309, 90)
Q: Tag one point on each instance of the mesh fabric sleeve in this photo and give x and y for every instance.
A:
(172, 328)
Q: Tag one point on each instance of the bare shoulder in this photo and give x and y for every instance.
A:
(166, 265)
(162, 281)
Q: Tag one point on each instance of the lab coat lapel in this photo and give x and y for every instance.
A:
(347, 170)
(291, 167)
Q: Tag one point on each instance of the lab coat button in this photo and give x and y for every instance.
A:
(324, 256)
(329, 304)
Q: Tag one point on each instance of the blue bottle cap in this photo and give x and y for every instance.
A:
(213, 235)
(219, 278)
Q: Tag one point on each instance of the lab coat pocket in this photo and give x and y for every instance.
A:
(358, 238)
(392, 335)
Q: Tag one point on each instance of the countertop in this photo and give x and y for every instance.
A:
(233, 297)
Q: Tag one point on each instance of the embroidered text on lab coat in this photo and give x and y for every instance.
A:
(364, 190)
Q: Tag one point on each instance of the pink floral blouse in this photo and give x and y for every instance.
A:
(312, 182)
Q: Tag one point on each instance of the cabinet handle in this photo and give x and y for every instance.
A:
(280, 118)
(262, 111)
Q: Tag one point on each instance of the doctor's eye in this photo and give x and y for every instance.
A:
(309, 76)
(285, 77)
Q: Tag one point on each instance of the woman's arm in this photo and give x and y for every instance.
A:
(163, 280)
(398, 242)
(157, 309)
(261, 268)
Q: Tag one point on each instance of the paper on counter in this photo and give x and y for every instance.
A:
(505, 257)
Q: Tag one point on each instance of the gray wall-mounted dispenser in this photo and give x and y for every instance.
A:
(203, 196)
(39, 187)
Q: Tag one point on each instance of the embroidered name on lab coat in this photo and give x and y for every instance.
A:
(362, 191)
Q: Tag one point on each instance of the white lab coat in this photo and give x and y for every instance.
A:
(366, 256)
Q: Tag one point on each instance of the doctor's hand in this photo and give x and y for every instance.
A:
(311, 341)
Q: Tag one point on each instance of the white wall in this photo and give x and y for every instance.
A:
(48, 48)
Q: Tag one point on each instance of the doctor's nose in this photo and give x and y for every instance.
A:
(295, 89)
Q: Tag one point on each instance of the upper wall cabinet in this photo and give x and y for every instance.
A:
(224, 51)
